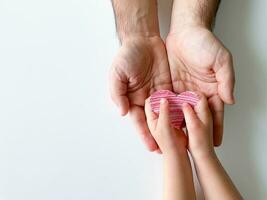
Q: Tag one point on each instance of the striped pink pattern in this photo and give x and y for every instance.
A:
(175, 104)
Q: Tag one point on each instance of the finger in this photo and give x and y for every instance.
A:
(225, 76)
(118, 91)
(150, 116)
(191, 119)
(202, 110)
(217, 110)
(138, 116)
(164, 118)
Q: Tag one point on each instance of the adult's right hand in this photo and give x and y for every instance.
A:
(199, 62)
(140, 68)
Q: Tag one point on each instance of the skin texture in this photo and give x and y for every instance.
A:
(136, 18)
(215, 182)
(192, 59)
(178, 180)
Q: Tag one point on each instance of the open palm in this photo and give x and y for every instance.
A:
(199, 61)
(140, 68)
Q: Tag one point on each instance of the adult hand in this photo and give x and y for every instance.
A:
(199, 61)
(140, 68)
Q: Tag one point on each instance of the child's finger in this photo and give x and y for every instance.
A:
(164, 118)
(150, 116)
(202, 109)
(191, 119)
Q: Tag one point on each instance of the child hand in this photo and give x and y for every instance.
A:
(169, 139)
(199, 128)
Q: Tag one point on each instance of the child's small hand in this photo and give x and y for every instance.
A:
(169, 139)
(210, 171)
(199, 128)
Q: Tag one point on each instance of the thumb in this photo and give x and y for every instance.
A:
(191, 119)
(225, 76)
(118, 91)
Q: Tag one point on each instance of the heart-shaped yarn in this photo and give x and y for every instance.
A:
(175, 104)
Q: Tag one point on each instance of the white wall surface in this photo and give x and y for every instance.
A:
(60, 135)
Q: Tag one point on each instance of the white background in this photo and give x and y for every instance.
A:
(61, 137)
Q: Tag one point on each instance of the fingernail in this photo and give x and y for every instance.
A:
(163, 100)
(185, 104)
(121, 111)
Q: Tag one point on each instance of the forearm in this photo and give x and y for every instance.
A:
(178, 179)
(193, 12)
(215, 182)
(136, 18)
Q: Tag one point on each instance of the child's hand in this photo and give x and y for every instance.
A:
(169, 139)
(199, 128)
(214, 181)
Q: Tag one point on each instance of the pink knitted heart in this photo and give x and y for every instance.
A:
(175, 104)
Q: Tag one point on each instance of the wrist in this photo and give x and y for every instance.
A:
(195, 13)
(203, 156)
(140, 39)
(136, 18)
(140, 31)
(184, 20)
(190, 31)
(175, 154)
